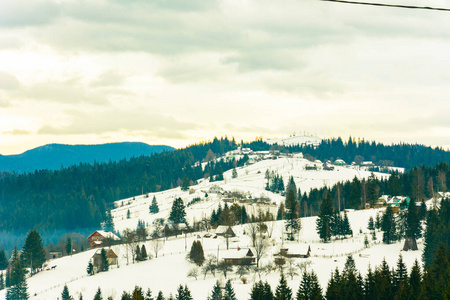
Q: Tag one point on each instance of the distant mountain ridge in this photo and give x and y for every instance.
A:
(56, 156)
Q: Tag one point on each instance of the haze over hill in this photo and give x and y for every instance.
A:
(55, 156)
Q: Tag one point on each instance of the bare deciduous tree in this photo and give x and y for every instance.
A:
(157, 245)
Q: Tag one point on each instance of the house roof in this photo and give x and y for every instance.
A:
(106, 234)
(238, 253)
(109, 253)
(302, 249)
(224, 229)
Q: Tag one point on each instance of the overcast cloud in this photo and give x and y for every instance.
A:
(179, 72)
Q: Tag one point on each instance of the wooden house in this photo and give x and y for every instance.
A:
(240, 257)
(97, 237)
(110, 255)
(226, 231)
(300, 251)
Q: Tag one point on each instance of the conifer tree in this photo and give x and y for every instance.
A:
(148, 295)
(3, 260)
(18, 285)
(196, 254)
(415, 278)
(104, 264)
(137, 294)
(292, 218)
(283, 291)
(98, 294)
(2, 282)
(324, 219)
(346, 229)
(144, 254)
(33, 251)
(229, 293)
(333, 291)
(413, 229)
(388, 226)
(216, 293)
(177, 213)
(90, 268)
(65, 295)
(68, 246)
(154, 208)
(371, 224)
(257, 291)
(160, 296)
(267, 292)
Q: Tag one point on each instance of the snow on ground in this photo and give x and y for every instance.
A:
(171, 267)
(250, 180)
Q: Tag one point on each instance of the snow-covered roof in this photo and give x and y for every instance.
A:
(237, 253)
(106, 234)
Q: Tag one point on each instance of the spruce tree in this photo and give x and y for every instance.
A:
(33, 251)
(229, 293)
(333, 291)
(283, 291)
(154, 208)
(144, 254)
(388, 226)
(3, 260)
(90, 268)
(2, 282)
(413, 229)
(137, 294)
(160, 296)
(324, 218)
(18, 285)
(196, 254)
(257, 291)
(104, 264)
(65, 295)
(371, 224)
(267, 291)
(415, 278)
(148, 295)
(98, 294)
(292, 218)
(69, 246)
(346, 228)
(177, 213)
(216, 293)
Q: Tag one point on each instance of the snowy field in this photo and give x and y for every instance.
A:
(170, 269)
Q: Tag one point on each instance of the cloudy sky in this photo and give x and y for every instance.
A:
(177, 72)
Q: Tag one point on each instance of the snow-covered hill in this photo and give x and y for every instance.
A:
(170, 269)
(250, 181)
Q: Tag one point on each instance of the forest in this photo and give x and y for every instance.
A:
(79, 196)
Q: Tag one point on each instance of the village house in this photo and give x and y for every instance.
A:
(96, 239)
(240, 257)
(226, 231)
(110, 255)
(299, 251)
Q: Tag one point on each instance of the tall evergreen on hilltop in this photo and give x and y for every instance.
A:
(18, 289)
(33, 251)
(324, 219)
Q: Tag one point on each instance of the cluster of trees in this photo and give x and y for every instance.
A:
(418, 183)
(32, 256)
(274, 182)
(331, 223)
(196, 254)
(228, 216)
(79, 196)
